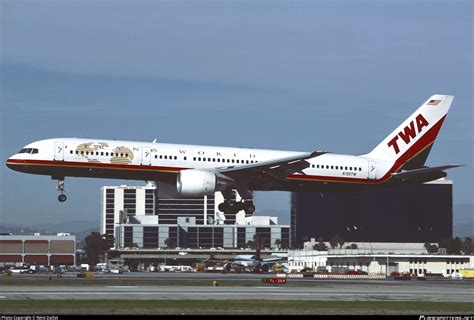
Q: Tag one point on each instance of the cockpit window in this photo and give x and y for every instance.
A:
(29, 150)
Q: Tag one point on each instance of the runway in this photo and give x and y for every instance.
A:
(325, 290)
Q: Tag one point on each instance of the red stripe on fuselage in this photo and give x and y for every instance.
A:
(91, 165)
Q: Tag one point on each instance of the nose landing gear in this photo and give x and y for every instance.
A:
(62, 197)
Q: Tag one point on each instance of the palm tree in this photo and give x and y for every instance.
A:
(278, 243)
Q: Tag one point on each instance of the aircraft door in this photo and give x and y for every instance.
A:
(372, 170)
(146, 156)
(58, 151)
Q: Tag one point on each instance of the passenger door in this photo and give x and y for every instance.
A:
(58, 151)
(146, 156)
(372, 170)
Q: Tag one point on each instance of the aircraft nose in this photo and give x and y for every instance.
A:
(11, 163)
(8, 163)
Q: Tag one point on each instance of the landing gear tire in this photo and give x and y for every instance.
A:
(230, 207)
(62, 197)
(249, 208)
(222, 207)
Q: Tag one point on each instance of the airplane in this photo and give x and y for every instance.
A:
(194, 170)
(247, 262)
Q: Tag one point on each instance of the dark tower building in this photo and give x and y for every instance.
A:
(410, 213)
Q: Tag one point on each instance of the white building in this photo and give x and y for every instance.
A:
(149, 205)
(379, 263)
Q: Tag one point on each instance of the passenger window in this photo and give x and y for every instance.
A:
(199, 159)
(209, 159)
(232, 160)
(247, 161)
(70, 152)
(176, 157)
(337, 167)
(194, 159)
(345, 168)
(77, 152)
(107, 154)
(184, 158)
(166, 157)
(360, 169)
(327, 167)
(332, 167)
(350, 168)
(102, 153)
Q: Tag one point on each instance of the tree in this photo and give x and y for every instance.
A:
(427, 246)
(320, 246)
(336, 240)
(431, 248)
(453, 246)
(96, 245)
(250, 244)
(467, 246)
(278, 243)
(170, 243)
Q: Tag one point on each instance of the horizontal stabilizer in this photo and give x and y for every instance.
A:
(415, 173)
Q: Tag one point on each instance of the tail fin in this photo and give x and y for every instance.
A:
(410, 144)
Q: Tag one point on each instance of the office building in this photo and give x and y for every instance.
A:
(408, 213)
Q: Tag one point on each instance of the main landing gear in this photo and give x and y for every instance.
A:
(230, 206)
(62, 197)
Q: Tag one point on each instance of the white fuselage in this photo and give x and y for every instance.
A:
(152, 161)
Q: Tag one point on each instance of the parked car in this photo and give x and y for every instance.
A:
(354, 272)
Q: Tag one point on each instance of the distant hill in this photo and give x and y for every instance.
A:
(463, 213)
(80, 229)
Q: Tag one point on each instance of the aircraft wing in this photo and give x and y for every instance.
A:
(425, 172)
(276, 169)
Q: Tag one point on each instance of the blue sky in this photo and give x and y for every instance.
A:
(300, 75)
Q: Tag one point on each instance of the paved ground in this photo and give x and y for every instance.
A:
(296, 289)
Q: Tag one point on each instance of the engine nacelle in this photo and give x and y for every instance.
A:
(198, 183)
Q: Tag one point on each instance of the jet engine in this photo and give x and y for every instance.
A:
(198, 183)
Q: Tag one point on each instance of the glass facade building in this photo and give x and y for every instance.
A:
(409, 213)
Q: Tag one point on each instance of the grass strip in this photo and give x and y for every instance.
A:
(185, 305)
